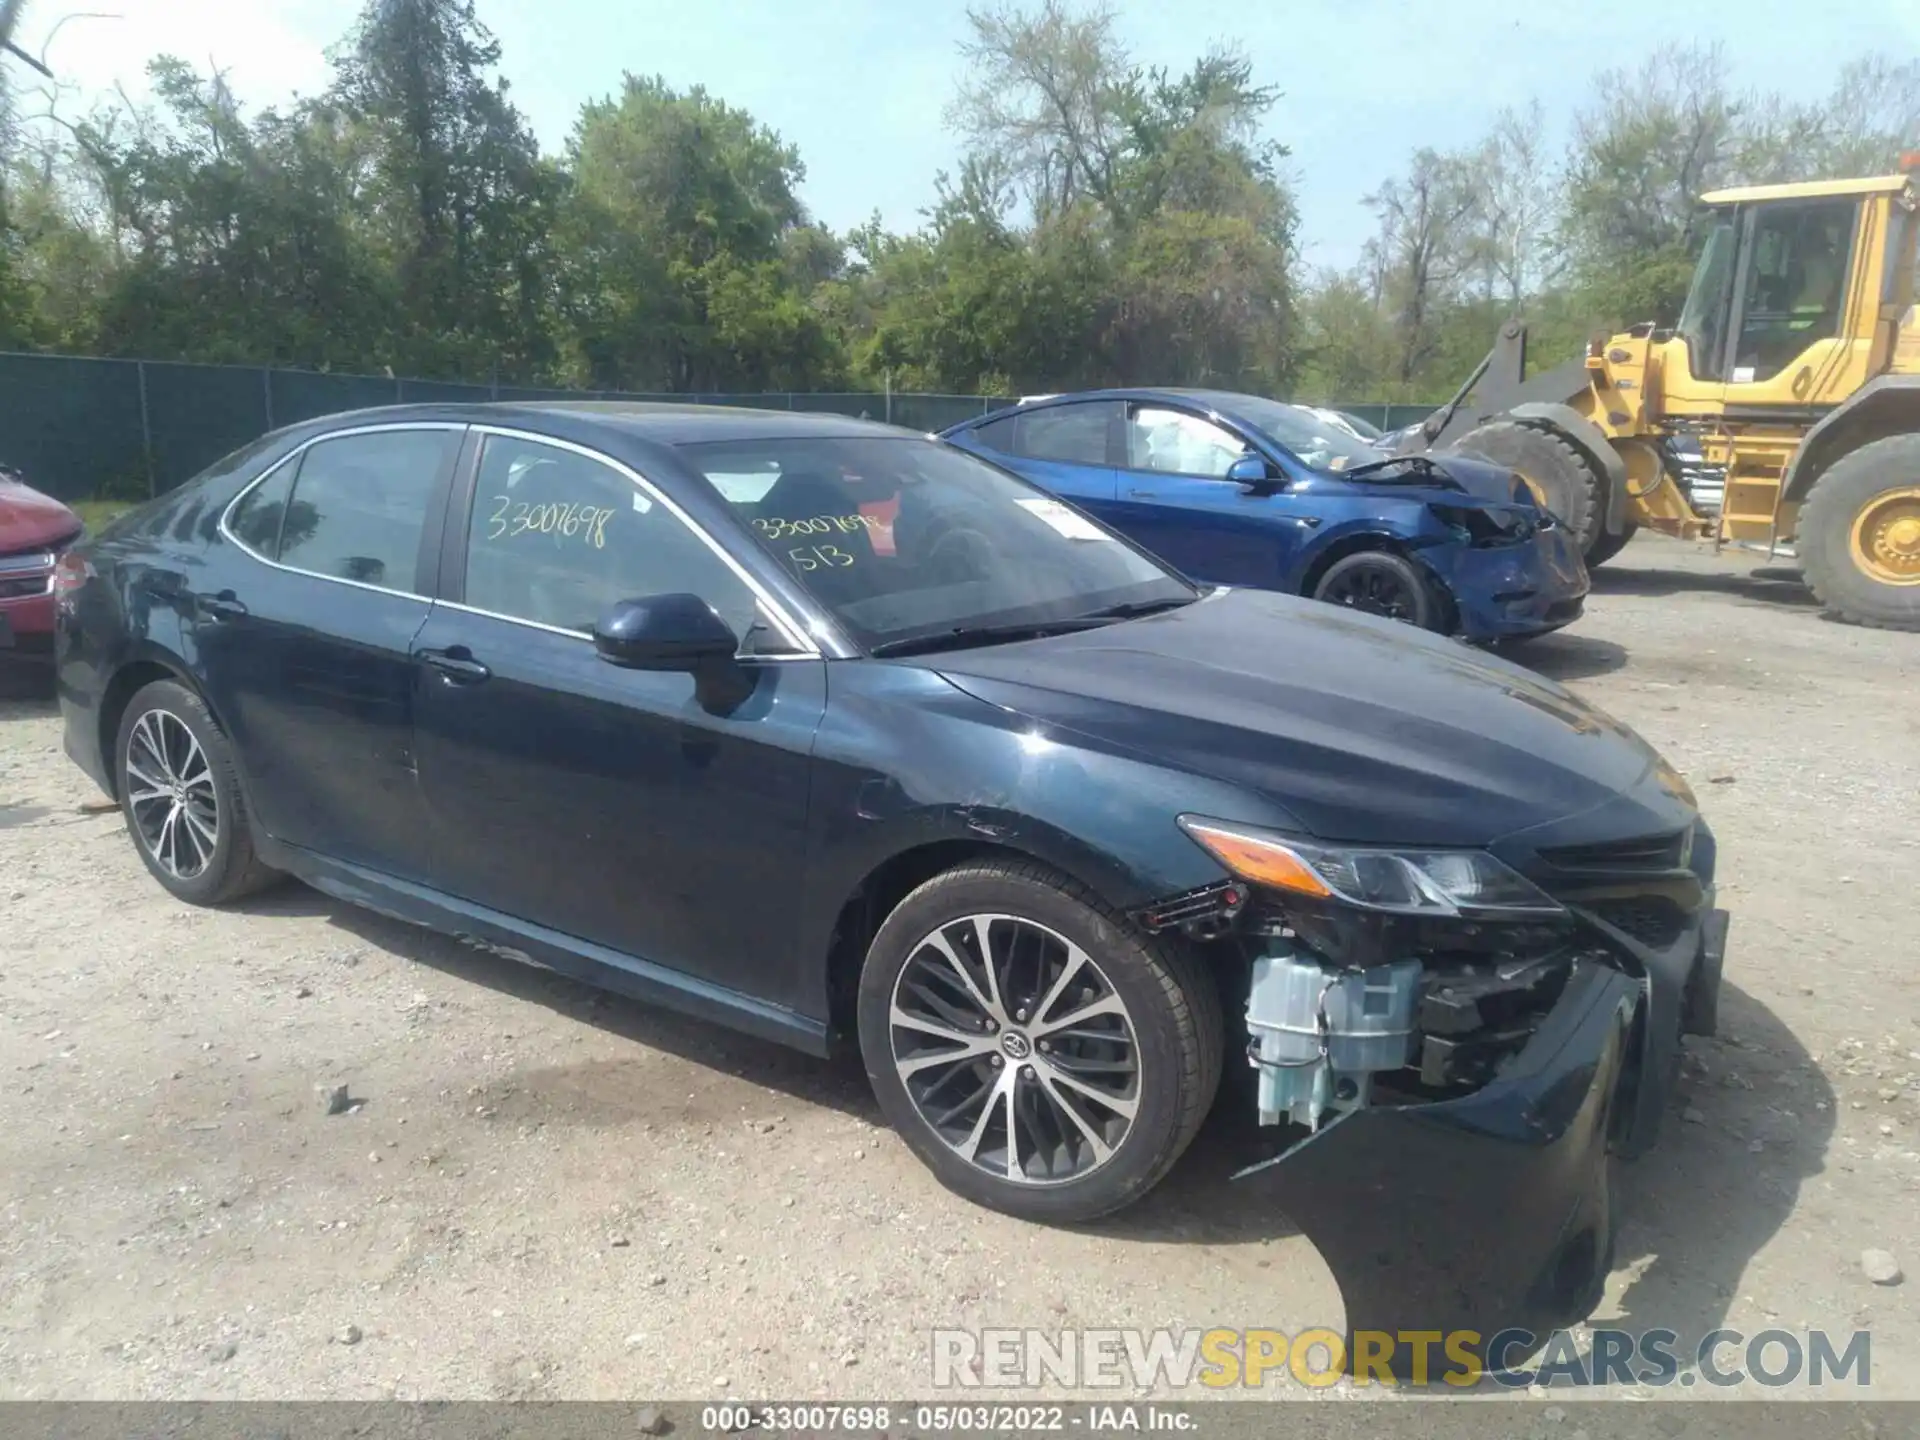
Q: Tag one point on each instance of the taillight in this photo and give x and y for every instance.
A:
(69, 574)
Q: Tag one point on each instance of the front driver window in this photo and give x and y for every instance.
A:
(559, 538)
(1796, 286)
(1175, 442)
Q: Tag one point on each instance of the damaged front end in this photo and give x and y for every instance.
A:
(1450, 1046)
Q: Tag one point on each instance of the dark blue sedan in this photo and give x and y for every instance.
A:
(1239, 490)
(842, 736)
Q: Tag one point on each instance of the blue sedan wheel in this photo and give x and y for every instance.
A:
(1380, 583)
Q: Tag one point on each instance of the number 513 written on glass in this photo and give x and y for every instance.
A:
(820, 557)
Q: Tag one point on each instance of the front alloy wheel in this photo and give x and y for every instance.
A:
(1040, 1054)
(1015, 1049)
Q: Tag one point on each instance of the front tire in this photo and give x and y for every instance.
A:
(1858, 535)
(180, 795)
(1379, 582)
(1038, 1054)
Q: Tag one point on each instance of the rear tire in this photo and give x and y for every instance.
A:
(1379, 582)
(1557, 471)
(180, 795)
(1153, 1042)
(1858, 535)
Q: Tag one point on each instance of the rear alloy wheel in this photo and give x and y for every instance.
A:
(180, 794)
(1380, 583)
(1858, 535)
(1041, 1058)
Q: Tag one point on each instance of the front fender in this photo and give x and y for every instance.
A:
(905, 759)
(1885, 405)
(1375, 531)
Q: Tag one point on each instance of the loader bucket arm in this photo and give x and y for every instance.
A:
(1498, 385)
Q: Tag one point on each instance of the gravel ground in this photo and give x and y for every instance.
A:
(541, 1192)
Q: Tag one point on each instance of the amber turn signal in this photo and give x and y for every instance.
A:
(1260, 860)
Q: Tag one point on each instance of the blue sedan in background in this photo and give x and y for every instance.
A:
(1241, 490)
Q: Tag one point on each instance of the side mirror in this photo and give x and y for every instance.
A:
(664, 632)
(1252, 472)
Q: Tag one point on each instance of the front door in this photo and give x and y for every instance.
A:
(306, 647)
(1788, 358)
(1174, 498)
(604, 803)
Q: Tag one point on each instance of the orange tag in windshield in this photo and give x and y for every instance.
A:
(880, 516)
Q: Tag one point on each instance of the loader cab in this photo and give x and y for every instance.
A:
(1795, 299)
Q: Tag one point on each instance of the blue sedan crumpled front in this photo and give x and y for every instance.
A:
(1240, 490)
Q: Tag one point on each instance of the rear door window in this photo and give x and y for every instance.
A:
(1068, 434)
(359, 505)
(997, 434)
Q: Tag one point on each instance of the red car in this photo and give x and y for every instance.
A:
(34, 530)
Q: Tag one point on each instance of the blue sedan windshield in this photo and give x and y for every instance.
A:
(904, 538)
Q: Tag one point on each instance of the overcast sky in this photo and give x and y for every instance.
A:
(859, 85)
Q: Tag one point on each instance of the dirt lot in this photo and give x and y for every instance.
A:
(549, 1193)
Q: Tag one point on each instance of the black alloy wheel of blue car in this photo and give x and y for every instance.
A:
(1380, 583)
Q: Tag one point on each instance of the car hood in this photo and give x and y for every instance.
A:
(1360, 729)
(1479, 478)
(29, 520)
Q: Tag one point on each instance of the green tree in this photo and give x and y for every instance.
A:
(1644, 149)
(1155, 239)
(689, 262)
(1861, 127)
(1423, 252)
(230, 240)
(453, 189)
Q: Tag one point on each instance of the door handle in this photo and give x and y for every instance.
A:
(456, 664)
(224, 606)
(1141, 494)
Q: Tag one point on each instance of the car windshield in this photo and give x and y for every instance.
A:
(1317, 442)
(905, 539)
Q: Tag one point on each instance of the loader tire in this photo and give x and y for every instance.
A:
(1605, 546)
(1559, 474)
(1858, 535)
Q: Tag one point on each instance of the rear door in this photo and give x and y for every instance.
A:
(307, 653)
(1175, 499)
(1068, 448)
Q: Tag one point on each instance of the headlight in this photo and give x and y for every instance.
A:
(1469, 883)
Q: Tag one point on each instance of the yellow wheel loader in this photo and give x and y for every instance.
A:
(1782, 410)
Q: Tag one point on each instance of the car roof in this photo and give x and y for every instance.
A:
(667, 424)
(1223, 401)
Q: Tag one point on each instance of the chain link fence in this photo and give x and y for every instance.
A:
(90, 429)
